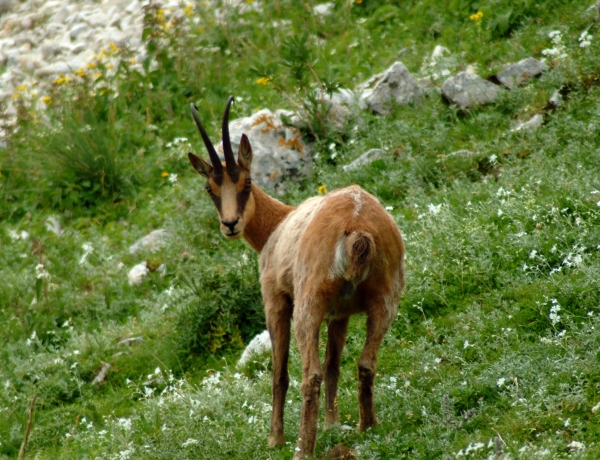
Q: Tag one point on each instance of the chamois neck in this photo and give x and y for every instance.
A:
(268, 214)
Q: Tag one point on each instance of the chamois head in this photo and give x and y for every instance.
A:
(229, 184)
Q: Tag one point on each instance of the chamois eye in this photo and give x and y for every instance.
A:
(248, 182)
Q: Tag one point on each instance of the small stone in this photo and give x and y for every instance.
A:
(53, 69)
(468, 90)
(520, 73)
(78, 30)
(6, 6)
(395, 84)
(137, 273)
(556, 101)
(152, 242)
(531, 125)
(365, 158)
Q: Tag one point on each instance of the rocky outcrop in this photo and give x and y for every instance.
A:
(467, 90)
(278, 150)
(395, 85)
(520, 73)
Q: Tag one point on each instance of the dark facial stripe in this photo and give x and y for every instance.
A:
(242, 199)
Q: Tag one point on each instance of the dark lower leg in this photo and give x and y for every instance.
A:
(336, 339)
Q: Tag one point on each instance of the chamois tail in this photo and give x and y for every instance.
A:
(360, 250)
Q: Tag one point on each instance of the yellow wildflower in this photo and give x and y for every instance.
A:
(476, 17)
(80, 72)
(114, 48)
(264, 81)
(97, 75)
(358, 2)
(46, 99)
(23, 87)
(109, 66)
(322, 190)
(189, 9)
(164, 174)
(62, 79)
(132, 60)
(15, 96)
(91, 65)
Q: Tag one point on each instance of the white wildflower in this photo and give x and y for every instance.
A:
(576, 445)
(500, 382)
(189, 442)
(32, 338)
(553, 249)
(389, 208)
(532, 254)
(124, 423)
(434, 209)
(87, 250)
(173, 178)
(585, 39)
(596, 408)
(42, 273)
(567, 422)
(500, 212)
(554, 309)
(466, 345)
(492, 158)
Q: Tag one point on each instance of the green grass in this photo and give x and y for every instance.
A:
(475, 364)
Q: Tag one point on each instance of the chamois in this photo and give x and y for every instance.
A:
(324, 260)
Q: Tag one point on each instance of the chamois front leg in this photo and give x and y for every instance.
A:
(279, 311)
(378, 322)
(336, 340)
(308, 316)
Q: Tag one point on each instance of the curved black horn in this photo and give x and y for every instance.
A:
(227, 150)
(212, 153)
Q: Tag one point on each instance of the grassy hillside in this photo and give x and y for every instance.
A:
(495, 351)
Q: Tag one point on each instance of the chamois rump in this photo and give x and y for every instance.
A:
(324, 260)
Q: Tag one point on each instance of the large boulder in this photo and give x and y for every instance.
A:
(395, 84)
(278, 150)
(468, 90)
(520, 73)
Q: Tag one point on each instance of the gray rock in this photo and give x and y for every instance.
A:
(530, 125)
(395, 84)
(278, 150)
(152, 242)
(520, 73)
(556, 101)
(467, 90)
(53, 69)
(365, 158)
(61, 15)
(50, 50)
(6, 6)
(78, 30)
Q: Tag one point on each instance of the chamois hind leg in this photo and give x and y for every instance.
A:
(308, 316)
(378, 323)
(279, 311)
(336, 340)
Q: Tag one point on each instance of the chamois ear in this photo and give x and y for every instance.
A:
(245, 153)
(203, 168)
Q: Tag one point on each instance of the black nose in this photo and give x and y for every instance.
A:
(231, 224)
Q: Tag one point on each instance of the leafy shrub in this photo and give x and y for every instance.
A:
(83, 162)
(222, 308)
